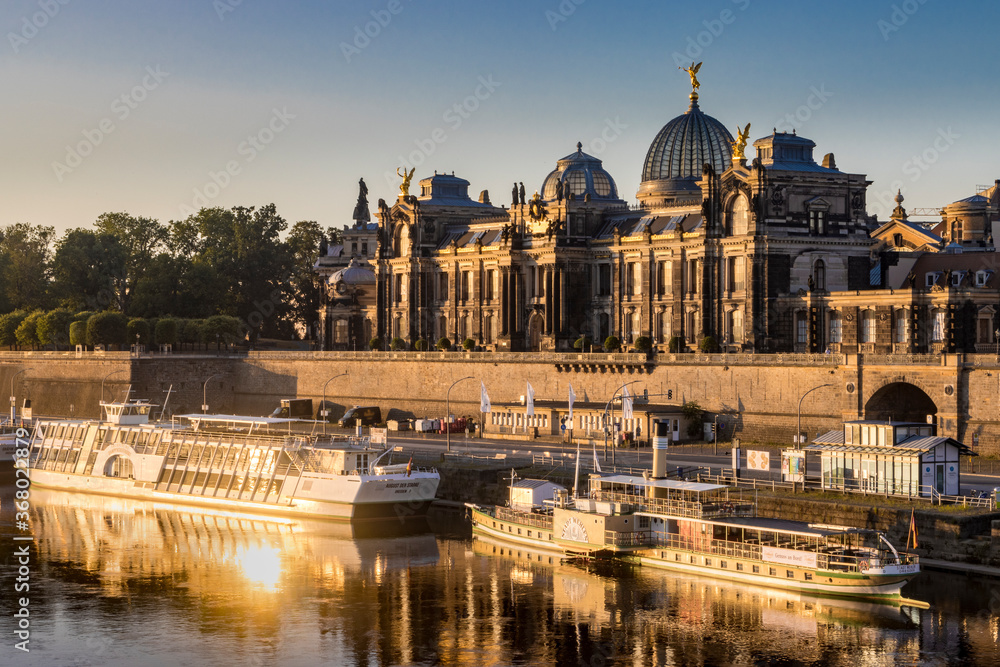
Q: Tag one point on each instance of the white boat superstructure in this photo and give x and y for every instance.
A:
(226, 461)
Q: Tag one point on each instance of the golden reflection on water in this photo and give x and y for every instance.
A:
(196, 586)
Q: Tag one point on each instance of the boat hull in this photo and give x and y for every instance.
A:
(347, 507)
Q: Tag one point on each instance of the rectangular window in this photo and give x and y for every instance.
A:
(868, 327)
(836, 329)
(737, 274)
(722, 563)
(902, 332)
(604, 280)
(755, 569)
(789, 574)
(808, 576)
(772, 571)
(739, 567)
(708, 562)
(801, 328)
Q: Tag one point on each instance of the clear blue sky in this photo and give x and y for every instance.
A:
(898, 80)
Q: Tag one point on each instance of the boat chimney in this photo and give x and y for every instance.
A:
(661, 440)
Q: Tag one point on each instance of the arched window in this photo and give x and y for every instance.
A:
(819, 274)
(740, 217)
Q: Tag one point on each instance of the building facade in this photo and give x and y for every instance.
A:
(771, 254)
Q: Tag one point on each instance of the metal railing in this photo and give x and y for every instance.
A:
(524, 518)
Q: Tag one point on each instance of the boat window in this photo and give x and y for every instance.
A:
(772, 571)
(131, 437)
(789, 574)
(755, 568)
(881, 436)
(60, 432)
(739, 566)
(808, 576)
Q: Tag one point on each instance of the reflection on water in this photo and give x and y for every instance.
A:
(123, 582)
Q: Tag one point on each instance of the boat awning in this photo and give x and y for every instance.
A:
(913, 446)
(672, 484)
(788, 527)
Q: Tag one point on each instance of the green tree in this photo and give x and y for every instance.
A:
(468, 344)
(692, 413)
(191, 333)
(676, 344)
(27, 331)
(53, 327)
(78, 333)
(612, 344)
(443, 343)
(140, 239)
(708, 345)
(107, 328)
(8, 327)
(643, 344)
(304, 241)
(221, 329)
(582, 343)
(397, 343)
(138, 331)
(420, 344)
(166, 331)
(84, 268)
(26, 252)
(375, 343)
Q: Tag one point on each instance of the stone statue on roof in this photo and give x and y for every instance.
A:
(361, 214)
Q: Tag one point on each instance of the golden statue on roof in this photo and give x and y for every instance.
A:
(741, 142)
(404, 187)
(693, 73)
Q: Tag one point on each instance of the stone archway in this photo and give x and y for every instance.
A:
(900, 401)
(119, 465)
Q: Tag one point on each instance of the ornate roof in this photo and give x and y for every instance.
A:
(685, 144)
(582, 174)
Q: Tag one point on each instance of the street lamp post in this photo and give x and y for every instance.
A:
(798, 414)
(605, 418)
(204, 390)
(322, 408)
(13, 398)
(447, 419)
(105, 379)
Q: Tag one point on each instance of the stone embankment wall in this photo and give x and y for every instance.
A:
(762, 391)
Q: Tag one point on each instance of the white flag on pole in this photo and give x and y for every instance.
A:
(572, 398)
(626, 404)
(530, 410)
(484, 399)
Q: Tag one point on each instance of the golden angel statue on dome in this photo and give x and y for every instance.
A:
(693, 73)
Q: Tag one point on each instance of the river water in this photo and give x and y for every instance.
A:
(115, 582)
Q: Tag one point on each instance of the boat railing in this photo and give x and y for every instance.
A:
(511, 515)
(681, 508)
(634, 538)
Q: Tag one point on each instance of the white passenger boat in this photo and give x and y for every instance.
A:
(705, 529)
(226, 461)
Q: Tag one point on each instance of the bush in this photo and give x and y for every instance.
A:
(443, 343)
(676, 344)
(420, 345)
(190, 332)
(468, 344)
(612, 344)
(643, 343)
(27, 331)
(53, 327)
(78, 333)
(220, 329)
(397, 344)
(708, 345)
(138, 331)
(692, 412)
(83, 315)
(8, 327)
(375, 343)
(582, 343)
(166, 331)
(107, 328)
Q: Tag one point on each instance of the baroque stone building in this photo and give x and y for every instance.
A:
(772, 254)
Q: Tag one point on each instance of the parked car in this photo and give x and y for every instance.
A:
(368, 414)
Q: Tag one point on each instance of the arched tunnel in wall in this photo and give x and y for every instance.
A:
(900, 401)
